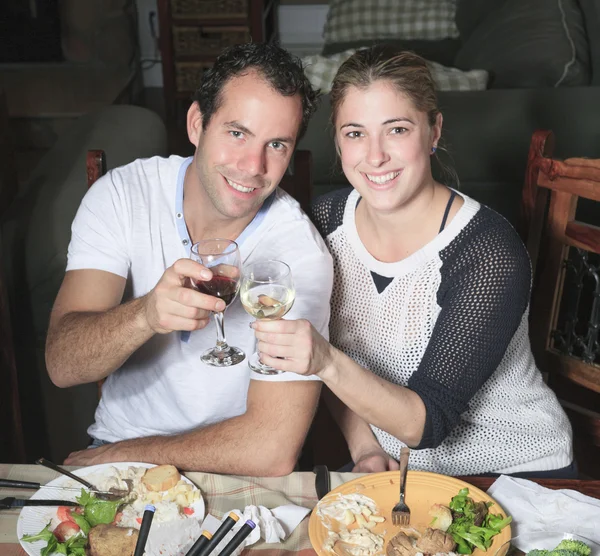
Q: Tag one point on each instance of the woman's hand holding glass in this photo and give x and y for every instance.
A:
(267, 293)
(292, 345)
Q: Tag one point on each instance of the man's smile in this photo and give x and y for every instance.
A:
(239, 187)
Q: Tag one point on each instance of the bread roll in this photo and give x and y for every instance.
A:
(110, 540)
(160, 478)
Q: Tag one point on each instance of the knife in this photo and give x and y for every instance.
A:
(322, 480)
(9, 483)
(12, 502)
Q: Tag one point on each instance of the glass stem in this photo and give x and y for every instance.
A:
(221, 340)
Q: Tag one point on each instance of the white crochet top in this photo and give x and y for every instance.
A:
(449, 322)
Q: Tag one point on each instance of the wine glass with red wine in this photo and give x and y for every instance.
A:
(222, 257)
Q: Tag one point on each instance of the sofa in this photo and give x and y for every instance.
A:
(542, 58)
(34, 232)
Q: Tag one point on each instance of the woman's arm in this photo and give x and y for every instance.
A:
(366, 453)
(390, 407)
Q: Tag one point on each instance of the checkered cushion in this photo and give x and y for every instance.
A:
(355, 20)
(322, 69)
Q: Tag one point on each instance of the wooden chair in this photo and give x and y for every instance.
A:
(297, 182)
(95, 166)
(565, 306)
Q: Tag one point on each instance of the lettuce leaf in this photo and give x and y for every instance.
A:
(96, 511)
(44, 535)
(465, 533)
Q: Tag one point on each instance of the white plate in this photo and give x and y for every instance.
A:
(33, 519)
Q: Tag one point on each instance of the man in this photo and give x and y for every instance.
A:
(133, 233)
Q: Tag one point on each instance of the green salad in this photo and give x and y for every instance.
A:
(473, 526)
(69, 537)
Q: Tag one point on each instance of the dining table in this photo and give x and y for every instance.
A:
(223, 493)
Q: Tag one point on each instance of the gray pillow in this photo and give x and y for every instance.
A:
(351, 20)
(537, 43)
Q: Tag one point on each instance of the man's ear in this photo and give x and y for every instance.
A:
(194, 123)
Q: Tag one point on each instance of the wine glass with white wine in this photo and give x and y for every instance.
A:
(267, 292)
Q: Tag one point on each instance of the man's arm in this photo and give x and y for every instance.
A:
(90, 335)
(265, 441)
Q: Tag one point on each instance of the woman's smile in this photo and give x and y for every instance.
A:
(382, 181)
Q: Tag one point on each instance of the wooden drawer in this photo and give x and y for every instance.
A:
(187, 75)
(194, 41)
(210, 9)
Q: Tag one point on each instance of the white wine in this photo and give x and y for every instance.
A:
(267, 301)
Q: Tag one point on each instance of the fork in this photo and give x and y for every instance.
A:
(113, 493)
(401, 512)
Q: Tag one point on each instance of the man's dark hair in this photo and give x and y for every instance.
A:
(280, 69)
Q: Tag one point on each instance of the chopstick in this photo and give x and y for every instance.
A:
(144, 530)
(206, 548)
(200, 543)
(238, 538)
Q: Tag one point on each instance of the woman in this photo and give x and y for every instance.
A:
(429, 335)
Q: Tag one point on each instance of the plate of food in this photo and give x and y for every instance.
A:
(447, 515)
(542, 543)
(41, 530)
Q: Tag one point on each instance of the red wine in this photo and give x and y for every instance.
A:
(219, 286)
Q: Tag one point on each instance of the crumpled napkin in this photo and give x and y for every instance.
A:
(537, 508)
(173, 537)
(272, 526)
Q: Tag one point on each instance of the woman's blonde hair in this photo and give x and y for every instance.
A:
(406, 71)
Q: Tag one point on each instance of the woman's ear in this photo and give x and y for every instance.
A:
(437, 129)
(194, 123)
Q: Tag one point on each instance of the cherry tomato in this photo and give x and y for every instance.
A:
(66, 530)
(64, 514)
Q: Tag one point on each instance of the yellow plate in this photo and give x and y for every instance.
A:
(423, 489)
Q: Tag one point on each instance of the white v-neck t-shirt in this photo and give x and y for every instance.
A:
(131, 224)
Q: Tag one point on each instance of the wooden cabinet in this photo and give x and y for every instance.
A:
(194, 32)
